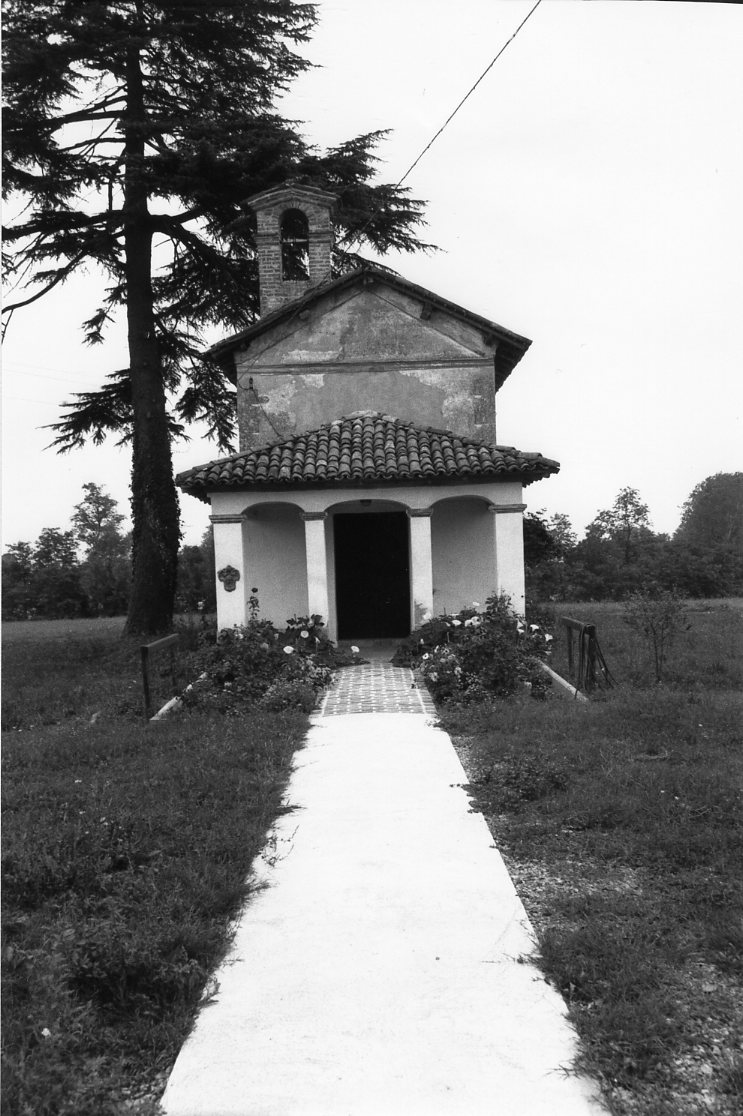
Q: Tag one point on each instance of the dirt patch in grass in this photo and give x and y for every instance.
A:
(126, 848)
(629, 868)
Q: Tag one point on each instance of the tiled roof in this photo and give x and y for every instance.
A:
(366, 449)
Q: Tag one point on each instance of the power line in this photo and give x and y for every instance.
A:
(358, 235)
(448, 120)
(23, 370)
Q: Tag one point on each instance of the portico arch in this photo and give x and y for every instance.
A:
(275, 559)
(369, 568)
(462, 552)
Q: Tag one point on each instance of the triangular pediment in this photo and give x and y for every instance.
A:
(369, 322)
(367, 308)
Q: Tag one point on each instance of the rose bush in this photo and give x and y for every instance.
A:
(257, 666)
(479, 655)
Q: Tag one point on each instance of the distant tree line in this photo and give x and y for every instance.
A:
(620, 553)
(86, 571)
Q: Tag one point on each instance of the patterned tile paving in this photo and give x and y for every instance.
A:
(376, 688)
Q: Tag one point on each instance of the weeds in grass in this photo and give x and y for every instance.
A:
(126, 849)
(643, 786)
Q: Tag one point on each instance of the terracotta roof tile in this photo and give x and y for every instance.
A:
(366, 448)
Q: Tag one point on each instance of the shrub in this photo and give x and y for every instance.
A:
(442, 672)
(657, 614)
(478, 655)
(242, 668)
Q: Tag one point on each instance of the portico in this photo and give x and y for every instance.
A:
(435, 545)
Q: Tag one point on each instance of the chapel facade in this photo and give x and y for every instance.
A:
(369, 487)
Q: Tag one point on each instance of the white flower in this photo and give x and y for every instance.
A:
(548, 638)
(304, 634)
(45, 1032)
(534, 627)
(456, 623)
(520, 627)
(433, 676)
(288, 650)
(354, 650)
(426, 656)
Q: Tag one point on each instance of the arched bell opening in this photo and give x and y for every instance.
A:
(295, 246)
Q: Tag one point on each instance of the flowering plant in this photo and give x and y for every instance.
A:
(442, 672)
(478, 654)
(305, 633)
(249, 666)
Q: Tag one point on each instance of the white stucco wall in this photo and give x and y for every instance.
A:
(349, 499)
(463, 558)
(276, 561)
(474, 551)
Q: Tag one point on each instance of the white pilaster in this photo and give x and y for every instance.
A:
(317, 564)
(421, 566)
(508, 550)
(229, 554)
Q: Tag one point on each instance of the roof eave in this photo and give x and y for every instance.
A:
(203, 491)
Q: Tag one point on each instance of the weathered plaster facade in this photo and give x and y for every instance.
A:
(366, 348)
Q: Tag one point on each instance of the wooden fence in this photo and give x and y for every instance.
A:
(155, 669)
(587, 668)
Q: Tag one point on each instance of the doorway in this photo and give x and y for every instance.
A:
(372, 583)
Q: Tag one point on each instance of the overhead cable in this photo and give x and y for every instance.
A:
(429, 145)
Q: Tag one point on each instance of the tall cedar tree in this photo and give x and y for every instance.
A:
(126, 121)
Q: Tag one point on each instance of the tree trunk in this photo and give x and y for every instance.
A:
(155, 518)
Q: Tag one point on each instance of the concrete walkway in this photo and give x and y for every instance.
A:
(380, 972)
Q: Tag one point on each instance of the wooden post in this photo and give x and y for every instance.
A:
(171, 642)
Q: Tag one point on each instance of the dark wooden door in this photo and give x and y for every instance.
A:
(371, 575)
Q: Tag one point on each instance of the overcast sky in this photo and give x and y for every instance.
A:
(588, 195)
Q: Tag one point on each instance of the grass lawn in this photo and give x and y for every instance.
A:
(621, 822)
(125, 852)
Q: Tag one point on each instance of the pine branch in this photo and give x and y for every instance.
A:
(59, 277)
(93, 415)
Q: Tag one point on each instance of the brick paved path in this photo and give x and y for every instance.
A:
(376, 687)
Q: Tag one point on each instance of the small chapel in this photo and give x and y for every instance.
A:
(369, 487)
